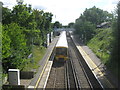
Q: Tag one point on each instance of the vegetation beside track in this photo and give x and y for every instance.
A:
(103, 45)
(38, 53)
(105, 41)
(22, 27)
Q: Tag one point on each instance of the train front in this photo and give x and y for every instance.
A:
(61, 49)
(61, 53)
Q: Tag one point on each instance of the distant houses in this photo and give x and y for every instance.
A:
(104, 25)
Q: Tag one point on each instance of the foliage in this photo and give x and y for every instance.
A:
(5, 44)
(0, 45)
(85, 30)
(115, 55)
(96, 15)
(71, 25)
(106, 44)
(48, 18)
(118, 27)
(18, 13)
(33, 37)
(6, 15)
(101, 44)
(57, 25)
(23, 27)
(14, 46)
(85, 25)
(37, 55)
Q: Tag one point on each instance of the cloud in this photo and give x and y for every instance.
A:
(39, 7)
(115, 1)
(110, 6)
(9, 3)
(66, 11)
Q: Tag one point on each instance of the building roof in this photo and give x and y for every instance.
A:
(104, 24)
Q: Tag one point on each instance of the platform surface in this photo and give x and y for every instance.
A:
(35, 81)
(98, 68)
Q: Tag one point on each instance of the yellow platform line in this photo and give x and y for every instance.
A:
(42, 71)
(41, 75)
(89, 61)
(92, 65)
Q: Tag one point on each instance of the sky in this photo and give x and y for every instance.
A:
(66, 11)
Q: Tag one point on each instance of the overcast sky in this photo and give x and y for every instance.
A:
(66, 11)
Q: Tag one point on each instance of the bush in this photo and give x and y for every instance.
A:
(14, 49)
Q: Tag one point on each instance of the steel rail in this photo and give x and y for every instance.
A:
(74, 71)
(77, 82)
(89, 75)
(67, 81)
(82, 67)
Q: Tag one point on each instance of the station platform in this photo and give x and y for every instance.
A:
(97, 67)
(44, 78)
(43, 64)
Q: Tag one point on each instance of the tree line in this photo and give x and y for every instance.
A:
(22, 27)
(85, 27)
(86, 24)
(115, 56)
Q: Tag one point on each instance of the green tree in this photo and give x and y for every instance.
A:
(115, 55)
(118, 35)
(14, 46)
(38, 18)
(57, 25)
(48, 20)
(118, 26)
(6, 16)
(85, 30)
(20, 15)
(6, 53)
(85, 25)
(96, 15)
(23, 27)
(71, 25)
(5, 44)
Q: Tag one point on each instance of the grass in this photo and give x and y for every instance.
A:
(102, 46)
(32, 63)
(38, 53)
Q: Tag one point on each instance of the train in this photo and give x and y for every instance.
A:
(61, 48)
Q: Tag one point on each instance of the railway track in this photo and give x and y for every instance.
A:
(57, 76)
(82, 80)
(84, 75)
(71, 77)
(74, 73)
(62, 76)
